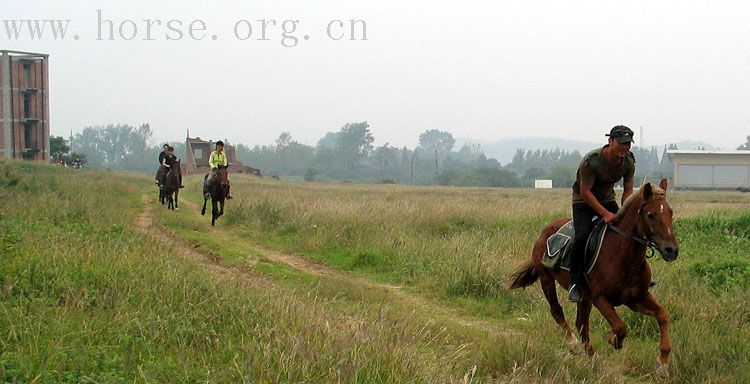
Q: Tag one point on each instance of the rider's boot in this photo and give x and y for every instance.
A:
(575, 293)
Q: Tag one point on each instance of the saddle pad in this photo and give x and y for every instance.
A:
(561, 242)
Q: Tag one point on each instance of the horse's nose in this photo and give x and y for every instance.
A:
(671, 253)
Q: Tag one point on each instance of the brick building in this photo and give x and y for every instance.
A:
(197, 153)
(24, 105)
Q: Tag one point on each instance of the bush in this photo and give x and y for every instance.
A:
(732, 272)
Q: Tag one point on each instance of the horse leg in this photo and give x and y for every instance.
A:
(582, 323)
(214, 211)
(221, 207)
(619, 328)
(203, 211)
(176, 194)
(550, 292)
(649, 306)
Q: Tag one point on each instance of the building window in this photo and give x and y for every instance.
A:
(27, 142)
(27, 105)
(27, 75)
(198, 154)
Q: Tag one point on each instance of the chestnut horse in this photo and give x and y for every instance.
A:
(172, 185)
(218, 191)
(621, 274)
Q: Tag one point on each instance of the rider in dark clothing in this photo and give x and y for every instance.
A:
(168, 161)
(594, 195)
(162, 155)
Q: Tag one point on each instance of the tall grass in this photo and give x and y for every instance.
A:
(84, 297)
(456, 246)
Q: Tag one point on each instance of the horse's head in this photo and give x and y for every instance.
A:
(176, 166)
(222, 175)
(655, 220)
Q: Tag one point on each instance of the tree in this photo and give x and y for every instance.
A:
(746, 146)
(433, 139)
(282, 143)
(58, 146)
(118, 146)
(354, 143)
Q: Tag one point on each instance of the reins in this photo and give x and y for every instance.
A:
(640, 240)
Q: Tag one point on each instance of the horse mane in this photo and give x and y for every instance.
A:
(655, 191)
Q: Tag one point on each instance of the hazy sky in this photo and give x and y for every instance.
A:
(478, 69)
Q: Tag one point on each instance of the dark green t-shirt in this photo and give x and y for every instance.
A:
(602, 175)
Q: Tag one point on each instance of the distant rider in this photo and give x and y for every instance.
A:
(162, 155)
(218, 157)
(168, 161)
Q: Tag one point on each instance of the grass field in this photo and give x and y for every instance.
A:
(334, 283)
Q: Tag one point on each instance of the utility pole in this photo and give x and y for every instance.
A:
(411, 178)
(642, 142)
(436, 165)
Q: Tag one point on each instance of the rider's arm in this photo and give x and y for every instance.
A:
(212, 160)
(584, 188)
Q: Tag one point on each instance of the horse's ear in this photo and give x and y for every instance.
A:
(663, 184)
(647, 192)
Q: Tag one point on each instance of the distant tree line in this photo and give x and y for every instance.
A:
(349, 154)
(115, 146)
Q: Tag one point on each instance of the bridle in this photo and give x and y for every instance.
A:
(643, 240)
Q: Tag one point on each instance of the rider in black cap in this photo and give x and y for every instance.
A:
(594, 195)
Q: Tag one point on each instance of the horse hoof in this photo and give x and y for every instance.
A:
(589, 350)
(177, 209)
(575, 349)
(662, 370)
(612, 340)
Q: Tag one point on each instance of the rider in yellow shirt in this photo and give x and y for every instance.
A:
(218, 157)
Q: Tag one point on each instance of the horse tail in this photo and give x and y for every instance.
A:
(524, 276)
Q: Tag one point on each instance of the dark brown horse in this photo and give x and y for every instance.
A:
(172, 185)
(621, 274)
(160, 173)
(218, 188)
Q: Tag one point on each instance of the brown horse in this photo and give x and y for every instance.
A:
(218, 189)
(621, 274)
(172, 185)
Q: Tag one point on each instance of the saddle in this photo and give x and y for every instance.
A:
(561, 242)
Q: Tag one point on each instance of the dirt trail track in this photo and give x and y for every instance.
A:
(144, 223)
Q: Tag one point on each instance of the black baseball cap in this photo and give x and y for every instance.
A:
(622, 133)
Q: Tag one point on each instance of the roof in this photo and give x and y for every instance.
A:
(27, 54)
(706, 152)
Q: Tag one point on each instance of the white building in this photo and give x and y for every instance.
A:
(710, 169)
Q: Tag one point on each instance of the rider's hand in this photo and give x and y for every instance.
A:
(609, 217)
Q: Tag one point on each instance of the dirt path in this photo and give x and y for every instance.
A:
(144, 222)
